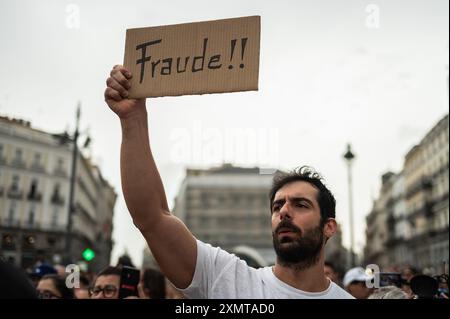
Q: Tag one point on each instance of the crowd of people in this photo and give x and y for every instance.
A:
(398, 283)
(47, 281)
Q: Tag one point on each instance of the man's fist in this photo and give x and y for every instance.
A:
(116, 93)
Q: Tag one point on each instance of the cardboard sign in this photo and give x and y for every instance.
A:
(194, 58)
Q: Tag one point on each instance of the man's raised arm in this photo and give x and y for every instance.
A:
(173, 246)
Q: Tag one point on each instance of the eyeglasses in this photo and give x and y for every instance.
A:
(108, 291)
(45, 294)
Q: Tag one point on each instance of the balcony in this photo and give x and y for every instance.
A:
(15, 193)
(57, 199)
(11, 223)
(391, 221)
(392, 241)
(2, 160)
(30, 224)
(425, 184)
(390, 202)
(35, 226)
(34, 196)
(428, 209)
(37, 167)
(59, 171)
(425, 209)
(18, 163)
(50, 227)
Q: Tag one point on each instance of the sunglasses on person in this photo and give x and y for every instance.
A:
(108, 291)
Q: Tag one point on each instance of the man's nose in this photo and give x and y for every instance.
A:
(285, 211)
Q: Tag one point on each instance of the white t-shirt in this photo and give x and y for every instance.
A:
(221, 275)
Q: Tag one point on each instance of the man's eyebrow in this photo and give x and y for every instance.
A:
(278, 201)
(299, 199)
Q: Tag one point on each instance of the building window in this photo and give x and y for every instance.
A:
(56, 198)
(37, 165)
(15, 183)
(34, 194)
(37, 159)
(18, 157)
(204, 197)
(2, 159)
(446, 218)
(32, 215)
(1, 184)
(59, 169)
(12, 212)
(14, 191)
(235, 199)
(221, 199)
(55, 217)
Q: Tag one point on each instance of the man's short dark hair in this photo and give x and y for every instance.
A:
(330, 264)
(108, 271)
(84, 280)
(155, 282)
(326, 200)
(60, 285)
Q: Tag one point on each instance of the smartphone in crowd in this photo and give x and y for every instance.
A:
(129, 280)
(390, 279)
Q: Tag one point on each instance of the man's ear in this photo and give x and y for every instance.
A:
(330, 228)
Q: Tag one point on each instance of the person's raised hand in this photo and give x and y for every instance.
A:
(116, 93)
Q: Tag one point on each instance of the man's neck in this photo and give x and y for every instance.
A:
(311, 279)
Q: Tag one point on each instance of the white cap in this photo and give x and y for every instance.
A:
(356, 274)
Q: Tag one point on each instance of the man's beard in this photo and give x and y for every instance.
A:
(300, 252)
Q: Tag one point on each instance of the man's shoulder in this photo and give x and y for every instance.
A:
(338, 292)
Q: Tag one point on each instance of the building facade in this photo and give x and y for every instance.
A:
(426, 186)
(227, 207)
(35, 174)
(409, 223)
(377, 234)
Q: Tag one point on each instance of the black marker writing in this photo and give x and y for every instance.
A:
(202, 57)
(144, 58)
(243, 43)
(233, 45)
(163, 66)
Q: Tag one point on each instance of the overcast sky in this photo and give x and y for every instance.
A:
(330, 73)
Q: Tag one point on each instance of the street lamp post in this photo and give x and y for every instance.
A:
(72, 188)
(349, 157)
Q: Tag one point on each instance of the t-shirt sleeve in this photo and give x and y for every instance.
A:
(211, 262)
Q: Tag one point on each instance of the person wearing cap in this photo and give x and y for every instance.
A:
(355, 283)
(41, 271)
